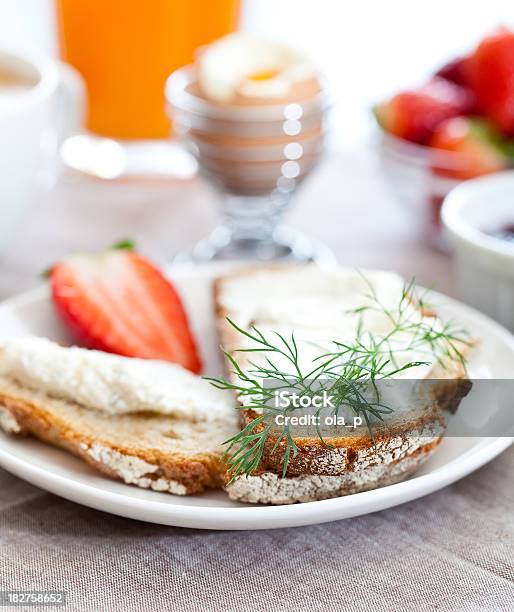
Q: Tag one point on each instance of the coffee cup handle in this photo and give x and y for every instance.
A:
(71, 103)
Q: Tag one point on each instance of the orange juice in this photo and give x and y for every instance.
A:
(125, 50)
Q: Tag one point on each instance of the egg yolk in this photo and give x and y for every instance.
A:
(264, 75)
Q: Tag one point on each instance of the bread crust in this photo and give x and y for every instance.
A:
(271, 488)
(347, 459)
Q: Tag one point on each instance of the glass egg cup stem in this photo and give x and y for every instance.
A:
(253, 216)
(248, 230)
(252, 230)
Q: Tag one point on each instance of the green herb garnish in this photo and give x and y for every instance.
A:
(347, 370)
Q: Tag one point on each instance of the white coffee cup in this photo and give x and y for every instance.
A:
(34, 121)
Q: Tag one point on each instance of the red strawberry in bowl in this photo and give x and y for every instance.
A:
(119, 302)
(491, 74)
(456, 71)
(477, 144)
(461, 148)
(415, 115)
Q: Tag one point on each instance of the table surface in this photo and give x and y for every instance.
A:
(453, 550)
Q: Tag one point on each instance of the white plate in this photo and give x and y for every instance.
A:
(64, 475)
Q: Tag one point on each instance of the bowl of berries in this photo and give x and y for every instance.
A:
(458, 126)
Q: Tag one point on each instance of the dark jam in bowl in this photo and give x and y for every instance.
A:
(505, 233)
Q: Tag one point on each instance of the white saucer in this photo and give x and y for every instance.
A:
(64, 475)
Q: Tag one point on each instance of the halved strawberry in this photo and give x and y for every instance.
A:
(477, 144)
(414, 115)
(119, 302)
(491, 74)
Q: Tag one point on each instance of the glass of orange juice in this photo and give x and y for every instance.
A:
(125, 50)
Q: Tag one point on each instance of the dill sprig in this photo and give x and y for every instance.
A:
(349, 371)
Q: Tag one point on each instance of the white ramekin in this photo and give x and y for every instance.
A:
(484, 264)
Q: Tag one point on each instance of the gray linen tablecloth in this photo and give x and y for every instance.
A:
(453, 550)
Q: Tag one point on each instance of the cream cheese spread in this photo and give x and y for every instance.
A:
(319, 306)
(110, 383)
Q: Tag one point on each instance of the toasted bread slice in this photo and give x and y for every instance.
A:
(163, 452)
(348, 464)
(149, 450)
